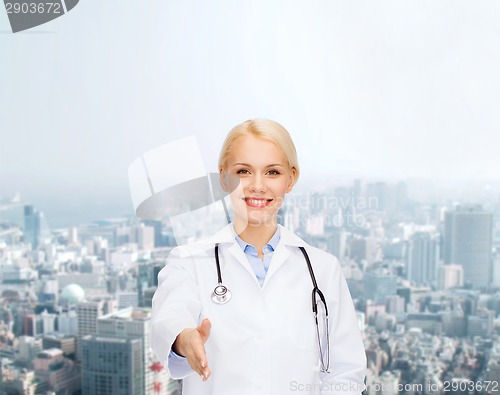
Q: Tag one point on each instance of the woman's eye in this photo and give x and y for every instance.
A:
(274, 172)
(242, 171)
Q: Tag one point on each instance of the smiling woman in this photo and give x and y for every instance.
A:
(263, 179)
(263, 336)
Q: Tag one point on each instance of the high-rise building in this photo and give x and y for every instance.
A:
(423, 258)
(143, 235)
(496, 268)
(451, 276)
(148, 297)
(50, 291)
(395, 305)
(87, 313)
(147, 277)
(48, 322)
(158, 229)
(378, 285)
(337, 242)
(124, 333)
(468, 242)
(32, 226)
(65, 343)
(481, 325)
(73, 236)
(454, 323)
(28, 347)
(363, 248)
(33, 324)
(56, 373)
(111, 365)
(127, 299)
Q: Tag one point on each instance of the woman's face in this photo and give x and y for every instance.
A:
(263, 176)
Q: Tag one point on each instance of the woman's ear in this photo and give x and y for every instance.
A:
(222, 180)
(293, 174)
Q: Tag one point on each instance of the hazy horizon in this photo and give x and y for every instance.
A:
(62, 211)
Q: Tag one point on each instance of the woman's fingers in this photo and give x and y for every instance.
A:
(203, 331)
(202, 356)
(206, 374)
(197, 357)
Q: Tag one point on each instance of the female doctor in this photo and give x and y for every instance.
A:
(250, 327)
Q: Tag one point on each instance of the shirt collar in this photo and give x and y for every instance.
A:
(272, 242)
(227, 235)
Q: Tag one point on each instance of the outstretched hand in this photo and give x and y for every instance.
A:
(190, 343)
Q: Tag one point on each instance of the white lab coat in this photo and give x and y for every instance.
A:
(263, 341)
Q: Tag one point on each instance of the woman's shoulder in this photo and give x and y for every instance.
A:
(192, 249)
(206, 245)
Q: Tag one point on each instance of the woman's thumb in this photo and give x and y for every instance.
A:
(204, 328)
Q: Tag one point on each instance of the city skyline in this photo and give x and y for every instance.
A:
(425, 319)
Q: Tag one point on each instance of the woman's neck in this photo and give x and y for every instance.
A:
(257, 235)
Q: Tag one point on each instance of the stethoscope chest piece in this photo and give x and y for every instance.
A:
(221, 294)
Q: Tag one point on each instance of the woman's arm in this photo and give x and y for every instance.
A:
(176, 306)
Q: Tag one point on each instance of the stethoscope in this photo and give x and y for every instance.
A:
(221, 295)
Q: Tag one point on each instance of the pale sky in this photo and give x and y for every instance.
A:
(378, 89)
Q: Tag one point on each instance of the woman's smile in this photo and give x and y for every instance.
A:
(257, 202)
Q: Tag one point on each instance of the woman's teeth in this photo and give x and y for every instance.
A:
(257, 202)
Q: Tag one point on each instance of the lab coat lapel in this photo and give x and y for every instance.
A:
(238, 253)
(280, 255)
(282, 252)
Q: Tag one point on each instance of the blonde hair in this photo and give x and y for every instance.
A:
(264, 129)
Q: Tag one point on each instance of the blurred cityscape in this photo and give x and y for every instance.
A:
(424, 277)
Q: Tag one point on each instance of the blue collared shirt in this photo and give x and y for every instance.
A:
(260, 268)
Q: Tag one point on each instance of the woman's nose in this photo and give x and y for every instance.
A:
(257, 184)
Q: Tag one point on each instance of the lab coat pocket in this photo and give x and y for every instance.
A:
(300, 324)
